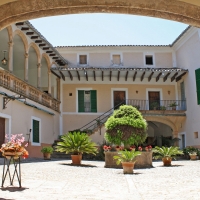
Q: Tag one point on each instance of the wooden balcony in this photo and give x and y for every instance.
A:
(14, 84)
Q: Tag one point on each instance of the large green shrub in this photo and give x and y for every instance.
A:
(126, 126)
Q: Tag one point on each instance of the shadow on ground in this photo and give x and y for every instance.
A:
(13, 189)
(82, 165)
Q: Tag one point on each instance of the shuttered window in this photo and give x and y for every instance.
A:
(197, 73)
(87, 101)
(83, 59)
(36, 131)
(116, 59)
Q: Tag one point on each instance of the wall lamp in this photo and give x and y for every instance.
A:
(4, 61)
(136, 92)
(169, 92)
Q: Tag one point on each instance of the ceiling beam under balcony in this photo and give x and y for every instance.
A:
(142, 77)
(70, 74)
(134, 76)
(158, 77)
(62, 75)
(149, 78)
(78, 75)
(94, 75)
(102, 75)
(179, 77)
(110, 75)
(118, 76)
(126, 77)
(165, 78)
(173, 77)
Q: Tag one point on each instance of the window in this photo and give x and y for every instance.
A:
(35, 131)
(149, 59)
(116, 59)
(83, 59)
(195, 134)
(87, 101)
(197, 73)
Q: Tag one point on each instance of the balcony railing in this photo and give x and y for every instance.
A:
(157, 105)
(14, 84)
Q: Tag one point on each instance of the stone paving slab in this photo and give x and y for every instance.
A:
(58, 179)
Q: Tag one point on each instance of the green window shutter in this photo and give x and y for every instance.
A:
(81, 107)
(197, 73)
(93, 100)
(36, 131)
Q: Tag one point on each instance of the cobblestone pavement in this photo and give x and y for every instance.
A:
(57, 179)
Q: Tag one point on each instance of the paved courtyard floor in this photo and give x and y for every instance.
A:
(57, 179)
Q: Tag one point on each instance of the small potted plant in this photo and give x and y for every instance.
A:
(76, 143)
(127, 159)
(106, 148)
(154, 105)
(173, 105)
(166, 154)
(193, 155)
(47, 151)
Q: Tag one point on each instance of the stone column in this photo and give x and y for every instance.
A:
(10, 56)
(26, 67)
(49, 82)
(39, 75)
(175, 135)
(58, 88)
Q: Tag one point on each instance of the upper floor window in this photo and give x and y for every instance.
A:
(116, 59)
(83, 59)
(149, 59)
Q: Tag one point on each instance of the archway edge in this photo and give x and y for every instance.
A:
(171, 9)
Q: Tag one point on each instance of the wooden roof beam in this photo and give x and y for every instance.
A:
(24, 28)
(78, 75)
(134, 76)
(94, 75)
(126, 77)
(62, 75)
(110, 75)
(19, 24)
(41, 45)
(34, 37)
(118, 75)
(30, 33)
(150, 77)
(173, 77)
(38, 41)
(165, 78)
(46, 48)
(102, 75)
(142, 77)
(70, 74)
(86, 75)
(179, 77)
(158, 77)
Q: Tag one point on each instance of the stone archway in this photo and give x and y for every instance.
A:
(186, 11)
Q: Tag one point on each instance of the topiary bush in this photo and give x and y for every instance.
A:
(126, 126)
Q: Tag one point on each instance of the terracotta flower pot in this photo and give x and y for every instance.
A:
(128, 167)
(193, 157)
(47, 156)
(76, 159)
(167, 161)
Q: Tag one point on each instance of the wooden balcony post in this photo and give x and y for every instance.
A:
(49, 82)
(58, 88)
(10, 56)
(26, 67)
(39, 75)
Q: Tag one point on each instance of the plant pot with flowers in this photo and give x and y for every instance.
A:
(13, 147)
(127, 159)
(47, 151)
(166, 154)
(125, 127)
(193, 155)
(76, 143)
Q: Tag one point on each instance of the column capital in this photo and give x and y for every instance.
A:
(39, 65)
(26, 55)
(11, 43)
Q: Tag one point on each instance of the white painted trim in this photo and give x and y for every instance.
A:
(153, 90)
(77, 96)
(149, 53)
(118, 89)
(38, 119)
(82, 54)
(7, 123)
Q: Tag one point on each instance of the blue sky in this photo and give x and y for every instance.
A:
(107, 29)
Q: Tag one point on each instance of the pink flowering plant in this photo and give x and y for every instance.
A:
(106, 148)
(14, 145)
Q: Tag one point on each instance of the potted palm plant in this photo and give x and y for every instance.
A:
(76, 143)
(166, 154)
(47, 151)
(127, 159)
(173, 105)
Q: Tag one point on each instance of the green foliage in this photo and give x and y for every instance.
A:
(47, 149)
(153, 105)
(162, 108)
(76, 143)
(190, 149)
(126, 156)
(173, 104)
(126, 126)
(161, 152)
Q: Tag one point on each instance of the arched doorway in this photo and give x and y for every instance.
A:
(186, 11)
